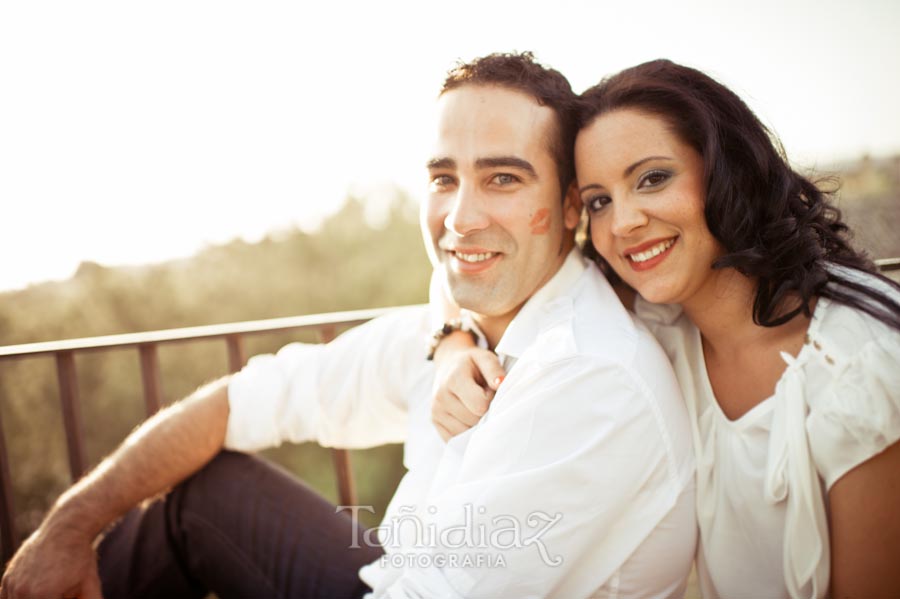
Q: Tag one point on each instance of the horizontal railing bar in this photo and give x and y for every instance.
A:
(884, 264)
(310, 321)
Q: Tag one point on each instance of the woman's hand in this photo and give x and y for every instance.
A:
(465, 380)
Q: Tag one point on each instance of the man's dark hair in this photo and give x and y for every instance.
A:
(548, 86)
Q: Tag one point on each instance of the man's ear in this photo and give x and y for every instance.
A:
(572, 207)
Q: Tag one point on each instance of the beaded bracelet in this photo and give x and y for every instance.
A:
(447, 328)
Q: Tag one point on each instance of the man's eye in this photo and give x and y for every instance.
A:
(597, 203)
(441, 181)
(505, 179)
(654, 178)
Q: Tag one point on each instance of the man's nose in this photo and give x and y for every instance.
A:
(627, 217)
(467, 213)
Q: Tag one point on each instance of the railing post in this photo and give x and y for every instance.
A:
(236, 356)
(147, 343)
(150, 378)
(68, 394)
(327, 333)
(8, 536)
(343, 469)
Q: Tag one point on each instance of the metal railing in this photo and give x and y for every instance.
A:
(146, 344)
(325, 325)
(888, 264)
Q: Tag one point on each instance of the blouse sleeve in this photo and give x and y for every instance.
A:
(858, 416)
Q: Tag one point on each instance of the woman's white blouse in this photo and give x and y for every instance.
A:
(762, 479)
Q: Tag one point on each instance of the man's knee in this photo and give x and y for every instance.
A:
(224, 469)
(236, 481)
(216, 486)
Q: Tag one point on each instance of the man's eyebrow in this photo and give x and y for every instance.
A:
(506, 161)
(436, 163)
(631, 168)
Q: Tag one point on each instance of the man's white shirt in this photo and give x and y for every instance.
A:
(577, 482)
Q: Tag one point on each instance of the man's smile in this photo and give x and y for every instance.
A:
(471, 260)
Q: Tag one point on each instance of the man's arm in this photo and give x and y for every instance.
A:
(347, 393)
(58, 559)
(466, 376)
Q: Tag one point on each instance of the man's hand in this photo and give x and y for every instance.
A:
(56, 561)
(464, 384)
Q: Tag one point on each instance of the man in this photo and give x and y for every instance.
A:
(577, 481)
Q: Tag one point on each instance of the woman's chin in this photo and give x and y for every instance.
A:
(656, 294)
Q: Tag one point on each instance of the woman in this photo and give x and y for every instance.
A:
(785, 341)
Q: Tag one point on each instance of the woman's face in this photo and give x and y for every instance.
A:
(644, 191)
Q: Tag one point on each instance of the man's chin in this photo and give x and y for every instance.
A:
(474, 298)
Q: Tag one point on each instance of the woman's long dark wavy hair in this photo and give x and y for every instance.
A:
(775, 225)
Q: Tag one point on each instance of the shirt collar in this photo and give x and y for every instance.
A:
(525, 326)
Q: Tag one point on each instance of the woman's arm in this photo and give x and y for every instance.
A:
(465, 380)
(864, 523)
(466, 376)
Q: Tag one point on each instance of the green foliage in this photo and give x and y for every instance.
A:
(346, 265)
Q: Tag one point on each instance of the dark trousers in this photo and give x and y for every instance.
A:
(241, 528)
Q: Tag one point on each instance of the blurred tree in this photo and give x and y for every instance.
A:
(346, 265)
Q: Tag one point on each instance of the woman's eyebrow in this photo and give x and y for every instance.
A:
(627, 172)
(631, 168)
(590, 186)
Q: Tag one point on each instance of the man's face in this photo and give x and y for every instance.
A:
(494, 216)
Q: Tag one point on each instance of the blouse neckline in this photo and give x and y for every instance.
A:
(764, 407)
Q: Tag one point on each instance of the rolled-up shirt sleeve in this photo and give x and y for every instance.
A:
(352, 392)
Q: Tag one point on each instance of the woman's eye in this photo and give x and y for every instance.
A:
(654, 178)
(597, 203)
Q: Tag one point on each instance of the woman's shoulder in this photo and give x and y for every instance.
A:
(852, 383)
(842, 332)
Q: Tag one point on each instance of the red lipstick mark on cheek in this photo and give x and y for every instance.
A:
(540, 222)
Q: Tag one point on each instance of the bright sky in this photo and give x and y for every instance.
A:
(136, 132)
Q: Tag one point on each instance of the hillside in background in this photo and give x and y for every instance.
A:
(346, 265)
(870, 201)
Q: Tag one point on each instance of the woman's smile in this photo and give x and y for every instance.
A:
(645, 193)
